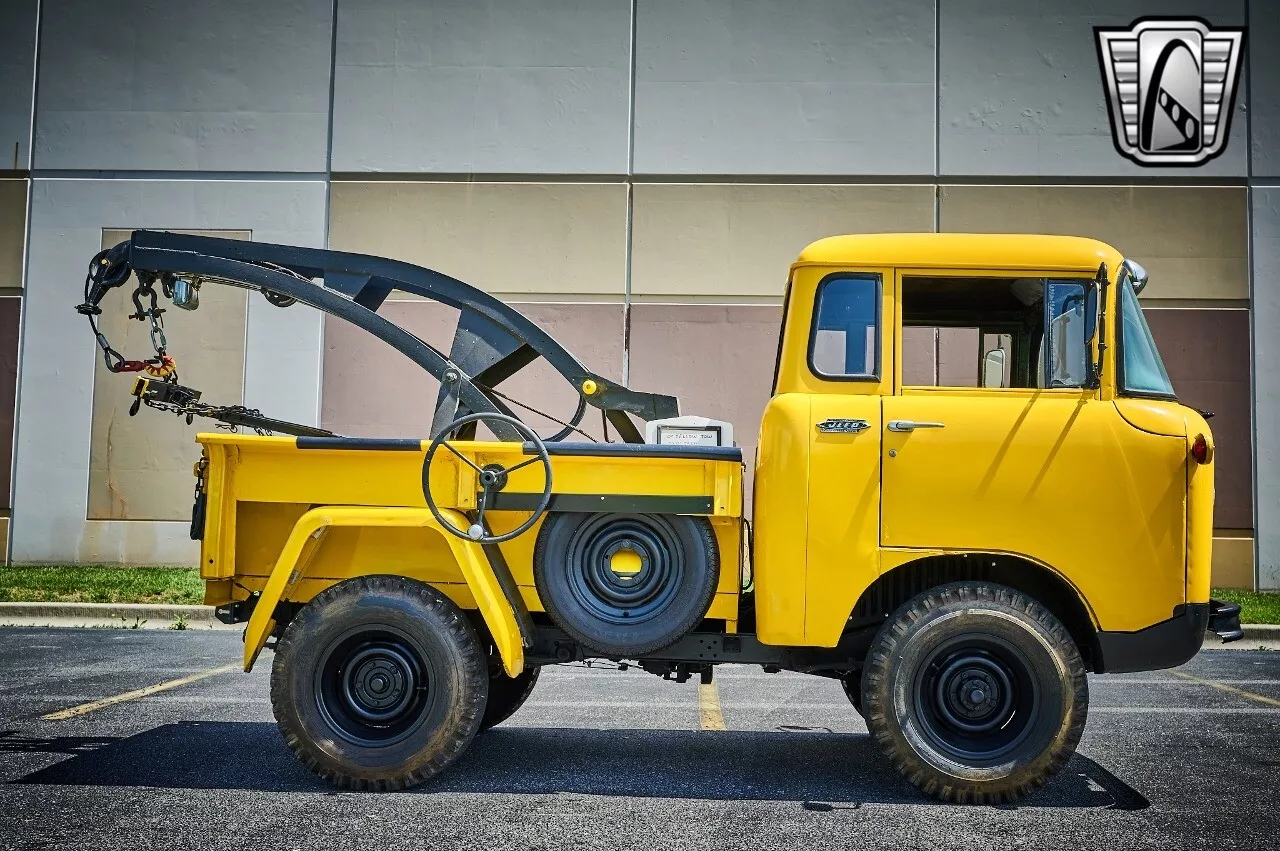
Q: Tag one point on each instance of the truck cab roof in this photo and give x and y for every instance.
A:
(960, 250)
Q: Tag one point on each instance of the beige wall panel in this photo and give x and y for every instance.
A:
(718, 360)
(13, 231)
(506, 238)
(1192, 239)
(371, 390)
(739, 240)
(1233, 563)
(140, 467)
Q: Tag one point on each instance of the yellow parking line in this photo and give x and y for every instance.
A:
(1239, 692)
(709, 715)
(64, 714)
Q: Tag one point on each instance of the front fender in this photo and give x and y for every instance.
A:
(304, 541)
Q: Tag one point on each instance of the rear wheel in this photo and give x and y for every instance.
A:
(975, 692)
(506, 695)
(379, 683)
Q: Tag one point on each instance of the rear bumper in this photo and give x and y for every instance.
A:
(1163, 645)
(1169, 643)
(1224, 620)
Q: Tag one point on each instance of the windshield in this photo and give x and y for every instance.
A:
(1141, 370)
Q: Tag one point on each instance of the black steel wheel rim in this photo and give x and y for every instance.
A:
(976, 697)
(625, 599)
(373, 686)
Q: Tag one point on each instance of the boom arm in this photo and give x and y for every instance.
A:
(492, 343)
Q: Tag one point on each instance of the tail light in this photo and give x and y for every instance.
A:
(1200, 449)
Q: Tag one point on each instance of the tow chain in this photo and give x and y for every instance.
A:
(162, 365)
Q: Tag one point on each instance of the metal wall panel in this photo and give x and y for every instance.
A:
(17, 67)
(1266, 382)
(371, 390)
(727, 241)
(1021, 92)
(717, 359)
(236, 85)
(507, 238)
(13, 231)
(482, 86)
(1206, 353)
(1193, 239)
(784, 87)
(59, 355)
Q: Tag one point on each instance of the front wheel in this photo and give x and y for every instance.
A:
(975, 692)
(379, 683)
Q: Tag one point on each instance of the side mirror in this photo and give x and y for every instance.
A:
(186, 294)
(993, 368)
(1136, 273)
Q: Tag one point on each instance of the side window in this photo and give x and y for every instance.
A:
(994, 332)
(844, 340)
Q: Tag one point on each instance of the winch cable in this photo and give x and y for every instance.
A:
(534, 410)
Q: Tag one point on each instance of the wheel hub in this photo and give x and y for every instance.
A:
(974, 693)
(373, 687)
(379, 683)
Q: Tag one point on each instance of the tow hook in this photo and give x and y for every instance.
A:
(1224, 620)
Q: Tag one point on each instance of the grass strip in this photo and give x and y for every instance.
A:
(100, 583)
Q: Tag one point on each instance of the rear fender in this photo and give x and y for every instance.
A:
(309, 532)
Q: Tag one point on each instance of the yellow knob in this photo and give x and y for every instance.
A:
(589, 387)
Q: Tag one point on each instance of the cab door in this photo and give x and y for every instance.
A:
(851, 359)
(1050, 472)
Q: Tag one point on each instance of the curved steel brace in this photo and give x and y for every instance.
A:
(233, 272)
(368, 280)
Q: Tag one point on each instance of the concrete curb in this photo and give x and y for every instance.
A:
(117, 615)
(1261, 632)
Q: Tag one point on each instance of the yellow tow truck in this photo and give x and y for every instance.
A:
(958, 551)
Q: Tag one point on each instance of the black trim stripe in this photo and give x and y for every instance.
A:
(639, 450)
(606, 503)
(394, 444)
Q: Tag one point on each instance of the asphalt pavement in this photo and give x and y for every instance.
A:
(602, 759)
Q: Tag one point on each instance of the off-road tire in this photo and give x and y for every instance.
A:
(506, 695)
(852, 685)
(313, 667)
(907, 664)
(564, 555)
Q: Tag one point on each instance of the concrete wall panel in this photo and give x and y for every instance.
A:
(784, 87)
(17, 67)
(236, 85)
(495, 86)
(717, 359)
(371, 390)
(1266, 381)
(140, 467)
(51, 475)
(1264, 79)
(731, 241)
(1193, 240)
(509, 238)
(1021, 92)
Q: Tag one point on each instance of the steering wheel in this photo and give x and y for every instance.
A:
(493, 478)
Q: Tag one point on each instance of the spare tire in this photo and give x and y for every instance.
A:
(625, 585)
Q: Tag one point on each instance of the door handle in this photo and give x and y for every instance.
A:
(912, 425)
